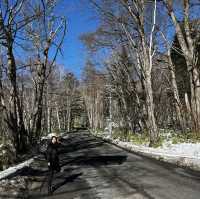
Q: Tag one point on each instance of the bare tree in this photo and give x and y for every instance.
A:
(178, 104)
(46, 36)
(121, 73)
(140, 35)
(33, 27)
(12, 20)
(188, 46)
(93, 91)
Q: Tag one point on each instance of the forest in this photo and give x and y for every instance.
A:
(141, 75)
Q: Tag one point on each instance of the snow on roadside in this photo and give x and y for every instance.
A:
(10, 170)
(191, 150)
(50, 135)
(183, 154)
(13, 169)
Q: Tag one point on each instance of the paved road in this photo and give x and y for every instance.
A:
(94, 169)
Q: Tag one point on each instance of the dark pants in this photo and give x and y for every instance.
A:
(50, 179)
(52, 170)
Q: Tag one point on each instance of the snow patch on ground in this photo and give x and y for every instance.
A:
(184, 149)
(13, 169)
(50, 135)
(183, 154)
(10, 170)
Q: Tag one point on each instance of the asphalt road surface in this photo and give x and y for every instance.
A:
(93, 169)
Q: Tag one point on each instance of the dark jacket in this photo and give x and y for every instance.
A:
(53, 156)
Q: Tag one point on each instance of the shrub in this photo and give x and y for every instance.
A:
(7, 155)
(130, 136)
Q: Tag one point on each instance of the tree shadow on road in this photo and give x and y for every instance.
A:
(28, 171)
(70, 178)
(95, 160)
(68, 159)
(70, 146)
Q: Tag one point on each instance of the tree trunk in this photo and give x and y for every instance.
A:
(38, 110)
(16, 121)
(69, 120)
(195, 98)
(188, 45)
(49, 119)
(151, 123)
(13, 117)
(178, 104)
(58, 118)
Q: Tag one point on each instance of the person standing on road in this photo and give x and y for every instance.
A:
(53, 160)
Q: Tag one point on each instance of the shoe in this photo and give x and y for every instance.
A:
(50, 190)
(62, 170)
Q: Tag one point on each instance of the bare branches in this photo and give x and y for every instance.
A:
(33, 26)
(61, 30)
(177, 25)
(151, 52)
(186, 25)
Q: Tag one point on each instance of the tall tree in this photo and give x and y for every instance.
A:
(46, 36)
(13, 19)
(130, 23)
(188, 43)
(93, 90)
(32, 28)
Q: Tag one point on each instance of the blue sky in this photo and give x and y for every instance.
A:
(81, 19)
